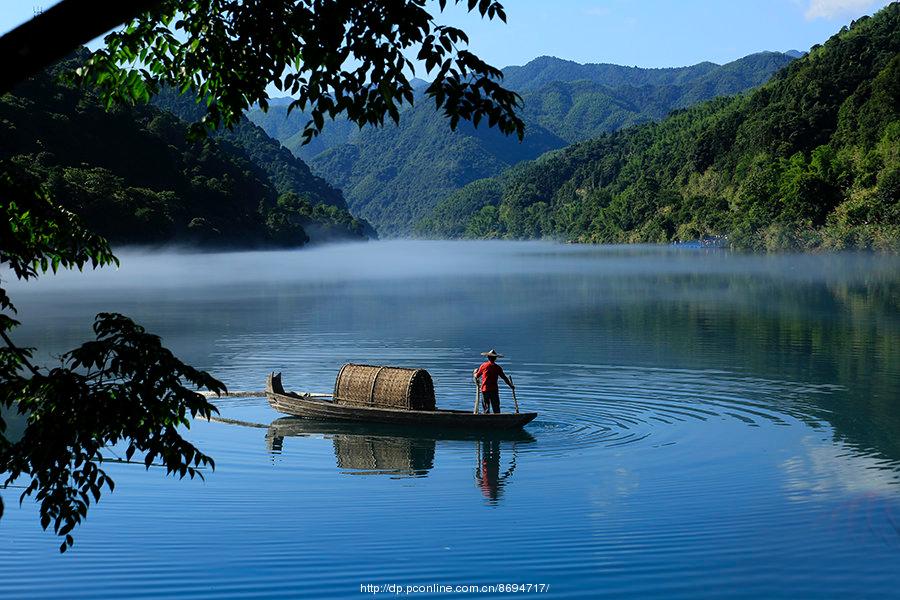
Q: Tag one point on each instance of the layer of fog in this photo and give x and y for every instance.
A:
(405, 260)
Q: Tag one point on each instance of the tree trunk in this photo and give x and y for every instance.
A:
(55, 33)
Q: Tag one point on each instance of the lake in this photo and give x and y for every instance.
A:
(711, 424)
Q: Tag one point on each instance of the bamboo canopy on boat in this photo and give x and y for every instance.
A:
(386, 387)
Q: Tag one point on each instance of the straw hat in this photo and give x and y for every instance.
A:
(492, 353)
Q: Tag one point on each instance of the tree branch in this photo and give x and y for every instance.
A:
(22, 356)
(53, 34)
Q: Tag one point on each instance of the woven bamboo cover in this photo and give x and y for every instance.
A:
(386, 387)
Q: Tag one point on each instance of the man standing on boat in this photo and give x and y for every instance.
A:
(488, 373)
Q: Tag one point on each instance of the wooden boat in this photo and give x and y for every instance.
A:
(321, 407)
(299, 427)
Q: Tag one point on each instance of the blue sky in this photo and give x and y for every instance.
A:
(645, 33)
(658, 33)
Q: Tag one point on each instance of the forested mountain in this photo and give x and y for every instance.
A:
(286, 172)
(578, 102)
(288, 127)
(812, 158)
(395, 175)
(135, 177)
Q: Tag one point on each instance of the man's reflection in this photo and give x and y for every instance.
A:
(487, 469)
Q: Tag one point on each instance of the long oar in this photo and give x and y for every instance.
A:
(477, 395)
(515, 401)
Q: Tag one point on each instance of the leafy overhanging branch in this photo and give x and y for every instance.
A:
(335, 56)
(123, 387)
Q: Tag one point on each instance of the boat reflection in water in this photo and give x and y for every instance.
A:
(403, 452)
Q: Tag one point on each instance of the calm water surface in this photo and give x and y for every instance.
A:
(710, 425)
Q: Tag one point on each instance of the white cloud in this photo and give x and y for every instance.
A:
(831, 9)
(834, 468)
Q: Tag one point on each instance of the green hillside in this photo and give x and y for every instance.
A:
(808, 160)
(288, 129)
(133, 175)
(285, 171)
(392, 176)
(396, 175)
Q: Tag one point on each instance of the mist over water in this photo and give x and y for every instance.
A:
(398, 260)
(710, 424)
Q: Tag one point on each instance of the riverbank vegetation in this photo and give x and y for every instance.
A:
(136, 177)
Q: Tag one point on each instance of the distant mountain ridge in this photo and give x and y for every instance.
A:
(585, 107)
(396, 175)
(529, 79)
(547, 69)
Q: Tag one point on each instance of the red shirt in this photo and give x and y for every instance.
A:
(489, 371)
